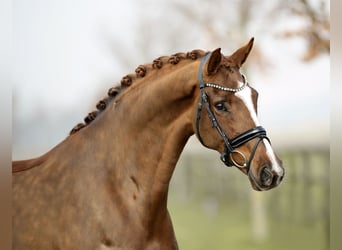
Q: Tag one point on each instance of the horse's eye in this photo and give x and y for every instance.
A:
(220, 106)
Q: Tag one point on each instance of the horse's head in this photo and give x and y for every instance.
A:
(226, 119)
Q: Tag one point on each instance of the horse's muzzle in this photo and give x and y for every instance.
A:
(266, 179)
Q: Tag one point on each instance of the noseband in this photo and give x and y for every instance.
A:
(229, 145)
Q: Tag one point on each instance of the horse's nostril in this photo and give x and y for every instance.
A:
(266, 177)
(280, 178)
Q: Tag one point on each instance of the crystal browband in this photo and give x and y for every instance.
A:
(217, 86)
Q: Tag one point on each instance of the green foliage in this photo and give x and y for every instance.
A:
(230, 229)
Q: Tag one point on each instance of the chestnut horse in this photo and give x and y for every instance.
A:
(106, 185)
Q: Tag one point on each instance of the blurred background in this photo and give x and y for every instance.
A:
(66, 54)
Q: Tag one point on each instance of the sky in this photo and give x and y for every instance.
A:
(68, 53)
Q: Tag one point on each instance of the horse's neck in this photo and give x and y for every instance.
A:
(152, 123)
(140, 136)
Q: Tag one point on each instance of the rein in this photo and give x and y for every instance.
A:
(229, 145)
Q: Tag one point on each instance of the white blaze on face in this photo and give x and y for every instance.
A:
(246, 96)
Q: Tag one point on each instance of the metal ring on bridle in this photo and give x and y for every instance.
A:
(244, 165)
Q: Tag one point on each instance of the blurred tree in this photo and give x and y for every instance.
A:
(225, 23)
(316, 29)
(314, 14)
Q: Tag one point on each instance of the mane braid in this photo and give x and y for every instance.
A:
(140, 72)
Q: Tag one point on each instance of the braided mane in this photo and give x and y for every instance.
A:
(128, 80)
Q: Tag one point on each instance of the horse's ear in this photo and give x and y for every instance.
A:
(239, 57)
(214, 61)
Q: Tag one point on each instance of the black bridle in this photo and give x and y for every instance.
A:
(229, 145)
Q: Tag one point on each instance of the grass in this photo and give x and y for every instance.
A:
(230, 228)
